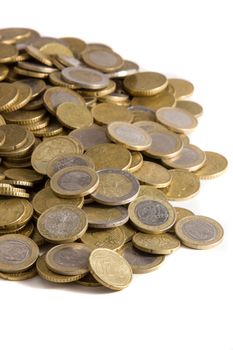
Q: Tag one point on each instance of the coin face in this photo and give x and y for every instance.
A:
(161, 243)
(176, 119)
(102, 59)
(133, 137)
(74, 182)
(199, 232)
(69, 259)
(106, 217)
(215, 164)
(74, 116)
(151, 192)
(150, 126)
(106, 113)
(140, 262)
(153, 174)
(110, 269)
(145, 83)
(111, 238)
(62, 223)
(8, 95)
(182, 88)
(15, 137)
(116, 187)
(150, 215)
(190, 106)
(85, 77)
(17, 253)
(14, 212)
(136, 163)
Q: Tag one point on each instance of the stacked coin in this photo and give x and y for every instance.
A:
(92, 151)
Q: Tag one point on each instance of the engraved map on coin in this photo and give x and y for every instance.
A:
(151, 213)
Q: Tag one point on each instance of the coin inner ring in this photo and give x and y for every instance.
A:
(74, 180)
(152, 213)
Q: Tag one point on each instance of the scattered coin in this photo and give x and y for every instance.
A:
(151, 192)
(190, 106)
(182, 88)
(161, 243)
(90, 136)
(145, 83)
(136, 163)
(85, 77)
(176, 119)
(74, 116)
(102, 59)
(153, 174)
(106, 217)
(215, 164)
(111, 238)
(106, 113)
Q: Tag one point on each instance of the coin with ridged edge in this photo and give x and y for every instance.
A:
(162, 243)
(153, 174)
(215, 165)
(111, 238)
(145, 83)
(106, 217)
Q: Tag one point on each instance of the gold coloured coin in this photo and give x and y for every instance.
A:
(151, 192)
(90, 136)
(116, 187)
(142, 114)
(74, 116)
(15, 137)
(163, 99)
(184, 185)
(199, 232)
(129, 135)
(111, 238)
(101, 92)
(24, 96)
(151, 215)
(109, 156)
(153, 174)
(52, 129)
(36, 67)
(19, 276)
(72, 182)
(62, 223)
(106, 217)
(12, 210)
(27, 175)
(176, 119)
(190, 106)
(182, 88)
(180, 214)
(38, 55)
(190, 158)
(17, 253)
(76, 45)
(37, 86)
(128, 231)
(29, 73)
(50, 148)
(4, 70)
(150, 126)
(88, 281)
(110, 269)
(8, 95)
(55, 48)
(161, 243)
(136, 163)
(12, 35)
(25, 118)
(139, 261)
(215, 164)
(102, 59)
(8, 53)
(145, 83)
(106, 113)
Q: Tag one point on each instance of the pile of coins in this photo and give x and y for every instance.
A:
(92, 151)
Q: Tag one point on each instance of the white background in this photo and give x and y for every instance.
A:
(187, 304)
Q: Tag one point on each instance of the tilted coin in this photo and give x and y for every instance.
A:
(163, 99)
(151, 215)
(15, 137)
(67, 160)
(69, 259)
(24, 96)
(19, 276)
(15, 212)
(74, 116)
(215, 164)
(111, 238)
(52, 129)
(106, 217)
(151, 126)
(110, 88)
(8, 53)
(116, 187)
(145, 83)
(110, 269)
(192, 107)
(102, 59)
(17, 253)
(36, 67)
(46, 198)
(12, 35)
(57, 80)
(8, 95)
(184, 185)
(190, 158)
(37, 86)
(85, 77)
(53, 48)
(50, 148)
(62, 223)
(142, 113)
(199, 232)
(151, 192)
(2, 137)
(109, 155)
(141, 262)
(136, 163)
(22, 117)
(88, 281)
(72, 182)
(28, 175)
(4, 70)
(38, 55)
(90, 136)
(29, 73)
(153, 174)
(180, 214)
(176, 119)
(182, 88)
(105, 113)
(131, 136)
(162, 243)
(128, 68)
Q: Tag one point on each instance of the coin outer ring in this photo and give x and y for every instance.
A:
(148, 228)
(197, 244)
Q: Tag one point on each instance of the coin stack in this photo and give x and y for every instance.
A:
(92, 151)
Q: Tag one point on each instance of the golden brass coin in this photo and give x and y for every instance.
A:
(199, 232)
(142, 113)
(72, 182)
(110, 269)
(180, 214)
(190, 158)
(22, 117)
(68, 160)
(56, 79)
(151, 215)
(185, 139)
(106, 113)
(102, 59)
(8, 95)
(136, 163)
(13, 192)
(151, 126)
(88, 281)
(215, 164)
(116, 187)
(17, 183)
(161, 243)
(74, 116)
(2, 137)
(164, 144)
(69, 259)
(101, 92)
(90, 136)
(13, 35)
(163, 99)
(85, 77)
(12, 211)
(109, 156)
(128, 68)
(111, 238)
(38, 55)
(190, 106)
(76, 45)
(38, 86)
(23, 150)
(184, 185)
(36, 103)
(106, 217)
(24, 96)
(62, 223)
(46, 198)
(19, 276)
(15, 137)
(52, 129)
(29, 73)
(41, 124)
(128, 231)
(145, 83)
(55, 48)
(4, 70)
(37, 238)
(2, 121)
(153, 174)
(151, 192)
(27, 175)
(129, 135)
(50, 148)
(8, 53)
(139, 261)
(17, 253)
(36, 67)
(183, 88)
(48, 275)
(176, 119)
(56, 95)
